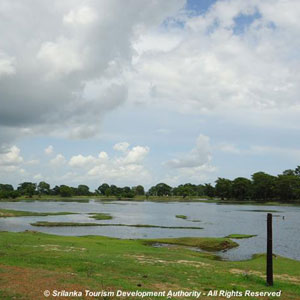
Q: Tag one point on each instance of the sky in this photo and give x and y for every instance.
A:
(141, 92)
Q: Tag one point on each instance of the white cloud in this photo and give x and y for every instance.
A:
(83, 15)
(197, 157)
(194, 166)
(103, 155)
(136, 155)
(7, 65)
(129, 167)
(68, 70)
(62, 57)
(11, 161)
(49, 150)
(211, 69)
(58, 160)
(80, 161)
(123, 146)
(11, 158)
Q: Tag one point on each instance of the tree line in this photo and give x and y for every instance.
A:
(261, 187)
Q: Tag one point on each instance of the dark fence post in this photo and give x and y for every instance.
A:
(269, 251)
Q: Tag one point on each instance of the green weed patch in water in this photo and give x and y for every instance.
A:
(62, 224)
(181, 217)
(6, 213)
(208, 244)
(100, 216)
(240, 236)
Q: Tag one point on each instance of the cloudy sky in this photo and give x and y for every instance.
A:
(144, 91)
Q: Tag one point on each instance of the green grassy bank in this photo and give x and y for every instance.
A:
(32, 262)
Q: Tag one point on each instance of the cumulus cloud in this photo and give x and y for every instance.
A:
(123, 146)
(11, 158)
(82, 161)
(58, 160)
(198, 156)
(218, 64)
(135, 156)
(63, 71)
(49, 150)
(192, 166)
(82, 15)
(128, 167)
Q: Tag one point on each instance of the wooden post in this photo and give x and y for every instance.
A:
(269, 251)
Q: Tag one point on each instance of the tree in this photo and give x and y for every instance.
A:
(83, 190)
(65, 191)
(223, 188)
(297, 171)
(139, 190)
(55, 190)
(127, 192)
(107, 192)
(209, 190)
(27, 189)
(288, 187)
(6, 187)
(241, 188)
(288, 172)
(102, 189)
(160, 189)
(43, 188)
(263, 186)
(7, 191)
(115, 191)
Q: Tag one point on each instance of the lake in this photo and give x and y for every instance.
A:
(217, 220)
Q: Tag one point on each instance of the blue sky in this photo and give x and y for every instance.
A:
(214, 97)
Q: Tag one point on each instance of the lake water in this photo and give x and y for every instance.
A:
(217, 220)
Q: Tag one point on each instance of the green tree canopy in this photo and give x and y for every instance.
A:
(43, 188)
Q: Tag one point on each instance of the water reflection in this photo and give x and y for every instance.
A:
(217, 221)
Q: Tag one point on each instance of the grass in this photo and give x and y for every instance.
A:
(208, 244)
(33, 262)
(100, 216)
(5, 213)
(181, 217)
(63, 224)
(240, 236)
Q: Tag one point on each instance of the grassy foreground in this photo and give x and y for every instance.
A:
(32, 262)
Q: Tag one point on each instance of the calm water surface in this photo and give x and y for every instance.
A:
(217, 221)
